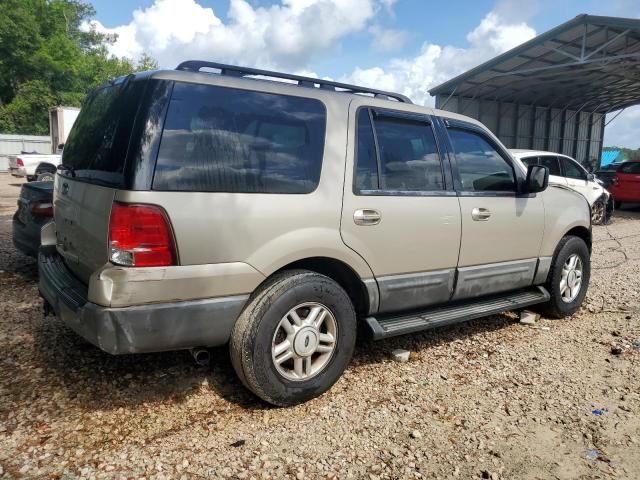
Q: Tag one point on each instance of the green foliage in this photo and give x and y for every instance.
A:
(47, 59)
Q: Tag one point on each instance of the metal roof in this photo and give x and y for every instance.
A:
(590, 63)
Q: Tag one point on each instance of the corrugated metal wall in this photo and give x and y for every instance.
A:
(14, 144)
(577, 134)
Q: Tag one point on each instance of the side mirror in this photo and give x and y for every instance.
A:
(537, 179)
(591, 177)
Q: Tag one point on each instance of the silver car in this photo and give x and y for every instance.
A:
(199, 208)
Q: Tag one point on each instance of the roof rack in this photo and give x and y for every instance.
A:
(236, 71)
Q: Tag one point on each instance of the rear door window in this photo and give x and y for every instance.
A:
(630, 168)
(551, 162)
(219, 139)
(406, 159)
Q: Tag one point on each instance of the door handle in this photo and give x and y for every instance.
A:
(480, 214)
(366, 216)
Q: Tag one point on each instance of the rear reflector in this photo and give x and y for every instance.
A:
(42, 209)
(140, 236)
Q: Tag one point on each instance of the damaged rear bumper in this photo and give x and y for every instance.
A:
(137, 329)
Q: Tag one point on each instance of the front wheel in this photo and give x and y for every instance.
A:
(569, 277)
(294, 338)
(598, 210)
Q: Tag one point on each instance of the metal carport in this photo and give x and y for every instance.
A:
(554, 91)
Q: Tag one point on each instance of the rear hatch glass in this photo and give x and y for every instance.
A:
(96, 149)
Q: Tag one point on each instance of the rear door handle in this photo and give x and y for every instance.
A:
(480, 214)
(366, 216)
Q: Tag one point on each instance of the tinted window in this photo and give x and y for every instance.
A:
(630, 168)
(572, 169)
(551, 163)
(366, 162)
(530, 161)
(228, 140)
(97, 145)
(408, 155)
(480, 166)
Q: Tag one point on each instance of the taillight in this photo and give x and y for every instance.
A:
(140, 236)
(19, 162)
(42, 209)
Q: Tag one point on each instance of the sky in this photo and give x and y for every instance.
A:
(406, 46)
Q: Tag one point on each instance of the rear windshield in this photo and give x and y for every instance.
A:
(219, 139)
(97, 145)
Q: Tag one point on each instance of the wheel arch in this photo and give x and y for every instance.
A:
(45, 167)
(363, 298)
(583, 233)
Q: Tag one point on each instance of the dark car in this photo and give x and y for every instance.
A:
(35, 208)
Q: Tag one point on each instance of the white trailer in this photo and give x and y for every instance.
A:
(61, 119)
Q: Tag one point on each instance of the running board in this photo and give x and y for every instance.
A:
(385, 326)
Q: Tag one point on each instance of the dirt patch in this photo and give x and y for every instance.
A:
(488, 399)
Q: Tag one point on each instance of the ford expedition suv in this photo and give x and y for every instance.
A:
(216, 204)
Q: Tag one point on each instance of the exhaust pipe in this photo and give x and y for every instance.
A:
(201, 356)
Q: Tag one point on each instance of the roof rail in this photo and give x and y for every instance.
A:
(236, 71)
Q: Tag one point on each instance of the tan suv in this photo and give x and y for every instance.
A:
(197, 208)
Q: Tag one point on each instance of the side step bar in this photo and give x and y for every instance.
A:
(385, 326)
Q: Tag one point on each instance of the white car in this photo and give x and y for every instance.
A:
(34, 166)
(567, 172)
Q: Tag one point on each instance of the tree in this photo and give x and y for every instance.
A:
(48, 57)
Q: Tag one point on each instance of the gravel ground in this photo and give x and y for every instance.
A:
(488, 399)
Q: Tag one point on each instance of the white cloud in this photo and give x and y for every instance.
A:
(387, 39)
(499, 35)
(434, 64)
(289, 34)
(623, 131)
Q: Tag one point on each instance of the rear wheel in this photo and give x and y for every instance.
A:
(46, 177)
(294, 338)
(569, 278)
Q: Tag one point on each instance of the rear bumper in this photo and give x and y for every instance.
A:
(26, 238)
(143, 328)
(18, 171)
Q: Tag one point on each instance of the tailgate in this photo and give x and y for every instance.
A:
(81, 214)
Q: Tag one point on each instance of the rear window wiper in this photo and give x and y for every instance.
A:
(67, 168)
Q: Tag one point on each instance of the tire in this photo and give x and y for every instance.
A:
(598, 212)
(31, 178)
(259, 329)
(560, 306)
(46, 177)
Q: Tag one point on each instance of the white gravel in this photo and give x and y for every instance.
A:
(489, 399)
